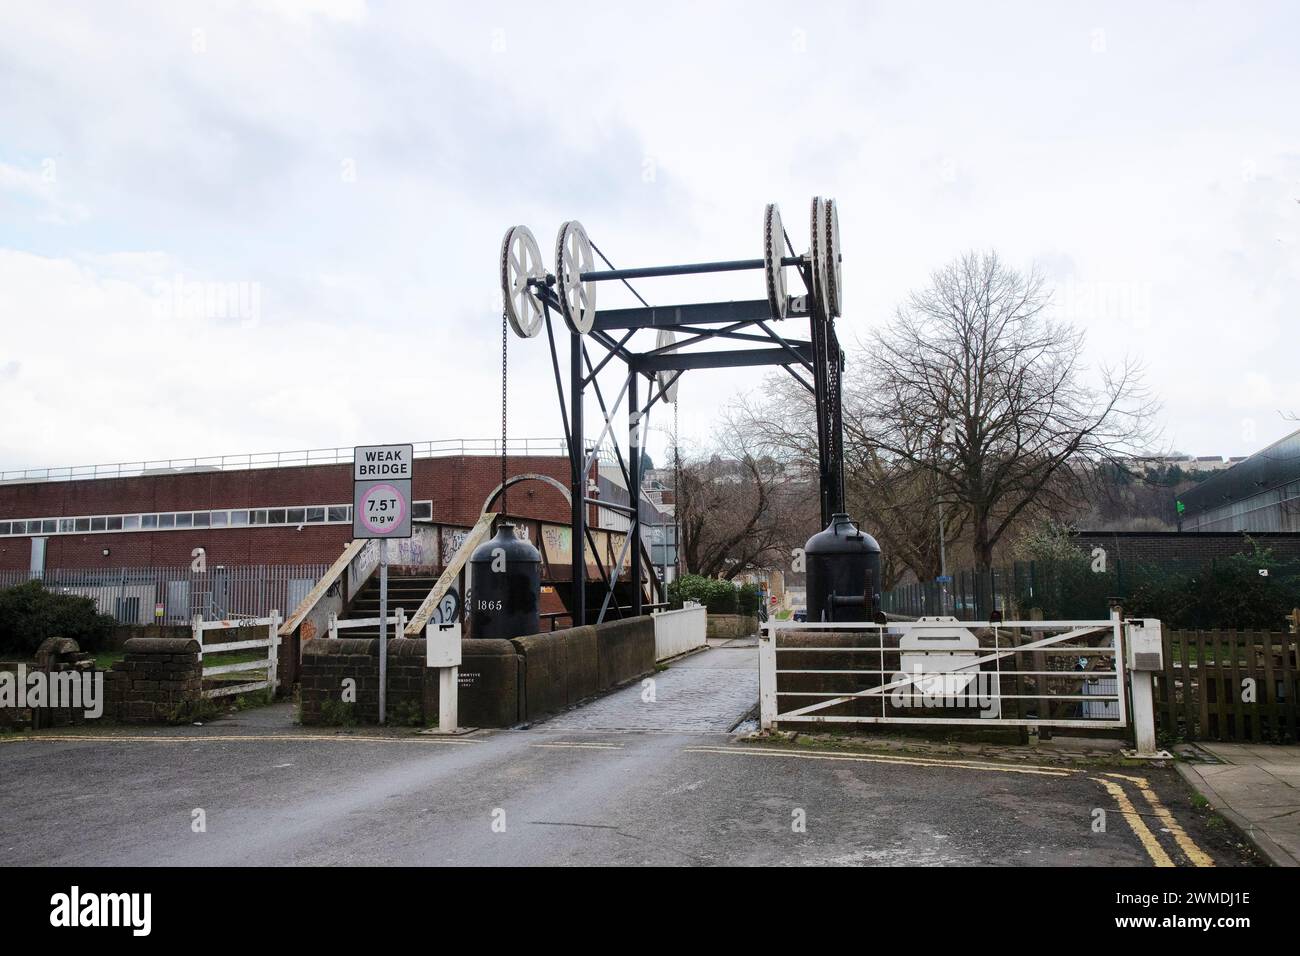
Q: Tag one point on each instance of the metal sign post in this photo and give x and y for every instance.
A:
(381, 509)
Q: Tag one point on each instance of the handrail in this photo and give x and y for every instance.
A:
(322, 586)
(548, 447)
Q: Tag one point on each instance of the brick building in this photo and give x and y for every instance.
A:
(243, 515)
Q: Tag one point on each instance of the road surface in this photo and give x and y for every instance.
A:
(634, 778)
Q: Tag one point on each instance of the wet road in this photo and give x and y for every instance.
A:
(634, 778)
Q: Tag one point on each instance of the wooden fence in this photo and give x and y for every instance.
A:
(1229, 686)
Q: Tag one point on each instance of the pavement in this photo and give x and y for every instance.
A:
(1255, 787)
(652, 774)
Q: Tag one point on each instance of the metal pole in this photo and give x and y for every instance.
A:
(577, 461)
(943, 566)
(383, 629)
(634, 442)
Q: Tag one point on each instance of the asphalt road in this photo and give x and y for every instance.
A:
(610, 783)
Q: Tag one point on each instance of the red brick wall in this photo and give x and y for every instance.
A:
(457, 486)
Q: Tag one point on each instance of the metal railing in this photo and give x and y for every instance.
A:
(178, 595)
(1017, 673)
(547, 447)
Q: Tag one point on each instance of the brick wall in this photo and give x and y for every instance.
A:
(501, 682)
(328, 663)
(155, 681)
(457, 486)
(1176, 547)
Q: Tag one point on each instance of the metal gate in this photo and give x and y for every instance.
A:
(943, 671)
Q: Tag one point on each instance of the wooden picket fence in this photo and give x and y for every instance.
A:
(1203, 692)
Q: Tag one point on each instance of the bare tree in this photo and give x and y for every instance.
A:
(894, 500)
(976, 387)
(734, 513)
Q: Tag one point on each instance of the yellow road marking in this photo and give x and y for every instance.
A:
(888, 759)
(228, 738)
(1194, 853)
(1148, 840)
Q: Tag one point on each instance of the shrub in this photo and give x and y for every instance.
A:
(719, 597)
(29, 613)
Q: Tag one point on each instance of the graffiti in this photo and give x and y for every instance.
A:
(557, 543)
(453, 539)
(448, 609)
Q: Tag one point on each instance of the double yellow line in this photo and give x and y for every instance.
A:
(1159, 857)
(1146, 837)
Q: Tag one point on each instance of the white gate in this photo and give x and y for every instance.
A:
(944, 671)
(268, 663)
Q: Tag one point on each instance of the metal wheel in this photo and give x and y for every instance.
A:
(817, 248)
(521, 260)
(773, 252)
(573, 256)
(667, 379)
(834, 273)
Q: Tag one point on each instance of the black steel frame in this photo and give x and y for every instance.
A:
(816, 363)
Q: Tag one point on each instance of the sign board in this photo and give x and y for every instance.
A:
(381, 491)
(381, 509)
(391, 462)
(944, 579)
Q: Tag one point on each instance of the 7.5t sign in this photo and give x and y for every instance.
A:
(381, 500)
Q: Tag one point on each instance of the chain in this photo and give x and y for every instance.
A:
(677, 495)
(505, 508)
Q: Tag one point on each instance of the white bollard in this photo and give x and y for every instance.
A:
(442, 650)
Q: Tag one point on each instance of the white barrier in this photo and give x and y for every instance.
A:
(677, 632)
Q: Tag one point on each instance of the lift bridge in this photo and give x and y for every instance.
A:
(791, 326)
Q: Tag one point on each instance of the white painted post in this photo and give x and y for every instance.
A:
(1144, 713)
(448, 691)
(273, 652)
(767, 676)
(196, 631)
(401, 622)
(1140, 685)
(442, 650)
(334, 626)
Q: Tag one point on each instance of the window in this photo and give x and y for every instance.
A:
(184, 519)
(83, 524)
(296, 515)
(338, 512)
(148, 521)
(220, 518)
(315, 515)
(19, 527)
(97, 524)
(130, 522)
(201, 519)
(422, 509)
(239, 518)
(275, 516)
(115, 523)
(257, 517)
(65, 525)
(5, 526)
(167, 520)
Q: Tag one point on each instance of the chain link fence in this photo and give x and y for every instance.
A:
(176, 595)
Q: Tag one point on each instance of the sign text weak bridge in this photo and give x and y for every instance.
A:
(941, 671)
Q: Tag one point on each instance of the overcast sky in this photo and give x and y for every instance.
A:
(351, 168)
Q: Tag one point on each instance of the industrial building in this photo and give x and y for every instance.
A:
(266, 526)
(1259, 493)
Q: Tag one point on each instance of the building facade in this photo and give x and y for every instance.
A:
(1258, 493)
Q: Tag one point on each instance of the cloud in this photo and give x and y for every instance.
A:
(357, 166)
